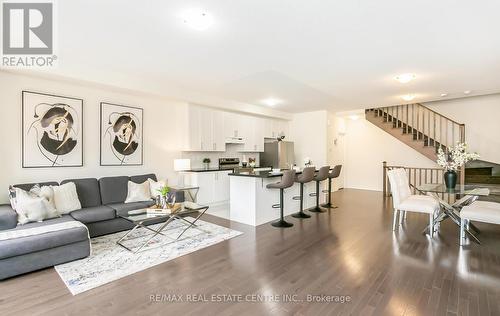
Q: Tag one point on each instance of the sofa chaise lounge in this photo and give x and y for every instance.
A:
(102, 201)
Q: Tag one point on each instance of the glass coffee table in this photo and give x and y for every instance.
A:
(141, 219)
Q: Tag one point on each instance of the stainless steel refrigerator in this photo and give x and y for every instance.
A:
(278, 154)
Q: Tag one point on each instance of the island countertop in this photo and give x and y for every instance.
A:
(261, 174)
(215, 169)
(257, 174)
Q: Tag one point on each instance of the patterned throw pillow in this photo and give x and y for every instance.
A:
(32, 208)
(12, 197)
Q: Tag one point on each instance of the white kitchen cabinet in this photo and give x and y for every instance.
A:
(269, 131)
(193, 129)
(234, 124)
(214, 186)
(218, 137)
(284, 128)
(275, 127)
(205, 129)
(253, 134)
(221, 187)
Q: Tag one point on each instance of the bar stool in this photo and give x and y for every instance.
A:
(335, 173)
(287, 181)
(320, 176)
(306, 176)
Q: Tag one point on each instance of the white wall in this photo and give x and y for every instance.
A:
(308, 131)
(336, 147)
(481, 116)
(362, 147)
(162, 132)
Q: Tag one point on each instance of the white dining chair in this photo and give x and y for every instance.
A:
(479, 211)
(403, 201)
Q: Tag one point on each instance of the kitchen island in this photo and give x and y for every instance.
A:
(251, 202)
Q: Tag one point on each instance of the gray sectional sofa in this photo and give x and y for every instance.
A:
(102, 201)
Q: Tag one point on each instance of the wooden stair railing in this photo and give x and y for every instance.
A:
(416, 177)
(421, 128)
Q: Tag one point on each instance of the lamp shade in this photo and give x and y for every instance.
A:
(182, 164)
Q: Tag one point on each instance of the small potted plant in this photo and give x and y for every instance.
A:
(206, 162)
(163, 195)
(452, 160)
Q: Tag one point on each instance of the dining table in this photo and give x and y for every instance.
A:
(463, 195)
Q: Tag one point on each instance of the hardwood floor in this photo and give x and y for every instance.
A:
(349, 251)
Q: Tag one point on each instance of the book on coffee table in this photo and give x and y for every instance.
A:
(164, 211)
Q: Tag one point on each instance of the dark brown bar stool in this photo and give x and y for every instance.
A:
(287, 181)
(306, 176)
(335, 173)
(320, 176)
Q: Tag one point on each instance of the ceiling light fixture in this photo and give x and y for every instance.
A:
(408, 97)
(354, 117)
(467, 92)
(405, 78)
(198, 19)
(271, 101)
(444, 95)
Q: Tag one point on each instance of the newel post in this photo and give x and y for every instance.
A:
(384, 177)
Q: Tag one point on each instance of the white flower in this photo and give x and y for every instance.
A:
(455, 157)
(307, 161)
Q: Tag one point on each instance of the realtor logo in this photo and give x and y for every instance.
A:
(27, 34)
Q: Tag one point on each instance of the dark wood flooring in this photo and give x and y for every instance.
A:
(348, 251)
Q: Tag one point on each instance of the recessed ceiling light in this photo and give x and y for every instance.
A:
(198, 19)
(408, 97)
(354, 117)
(467, 92)
(405, 78)
(271, 101)
(444, 95)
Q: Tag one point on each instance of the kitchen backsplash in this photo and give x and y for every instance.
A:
(231, 152)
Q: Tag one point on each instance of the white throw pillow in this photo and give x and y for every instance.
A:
(138, 192)
(66, 198)
(155, 186)
(47, 192)
(32, 208)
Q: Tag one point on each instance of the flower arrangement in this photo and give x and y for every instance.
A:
(206, 160)
(307, 161)
(455, 158)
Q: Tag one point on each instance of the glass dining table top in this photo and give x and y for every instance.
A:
(468, 189)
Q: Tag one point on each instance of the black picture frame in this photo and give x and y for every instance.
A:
(24, 163)
(104, 120)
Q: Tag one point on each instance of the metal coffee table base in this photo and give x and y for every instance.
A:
(161, 228)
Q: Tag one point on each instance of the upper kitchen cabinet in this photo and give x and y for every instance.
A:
(283, 128)
(252, 134)
(275, 127)
(234, 125)
(204, 129)
(210, 130)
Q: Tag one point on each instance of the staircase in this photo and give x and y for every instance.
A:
(419, 127)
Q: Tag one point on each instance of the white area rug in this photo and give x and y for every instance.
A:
(109, 262)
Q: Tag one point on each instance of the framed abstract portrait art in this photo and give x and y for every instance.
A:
(121, 135)
(52, 131)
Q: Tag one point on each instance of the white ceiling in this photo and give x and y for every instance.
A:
(313, 54)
